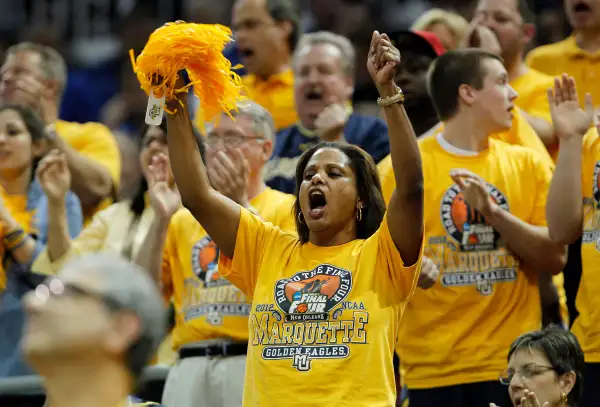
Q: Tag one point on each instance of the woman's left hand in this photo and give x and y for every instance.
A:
(383, 60)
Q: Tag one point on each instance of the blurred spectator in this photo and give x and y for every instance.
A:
(211, 328)
(35, 76)
(419, 49)
(120, 228)
(131, 170)
(92, 329)
(266, 33)
(24, 217)
(576, 55)
(449, 27)
(324, 81)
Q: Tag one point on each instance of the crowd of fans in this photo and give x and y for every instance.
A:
(396, 215)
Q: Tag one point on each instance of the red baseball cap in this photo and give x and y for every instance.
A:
(423, 42)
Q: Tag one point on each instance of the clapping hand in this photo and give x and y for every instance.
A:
(164, 198)
(474, 190)
(54, 176)
(568, 118)
(229, 173)
(382, 61)
(330, 123)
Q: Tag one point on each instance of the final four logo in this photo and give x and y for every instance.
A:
(596, 187)
(310, 295)
(465, 224)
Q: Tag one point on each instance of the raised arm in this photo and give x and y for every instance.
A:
(564, 209)
(405, 209)
(217, 214)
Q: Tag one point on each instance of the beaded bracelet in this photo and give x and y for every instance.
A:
(14, 239)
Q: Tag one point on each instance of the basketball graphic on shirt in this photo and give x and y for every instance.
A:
(205, 263)
(310, 295)
(465, 224)
(596, 188)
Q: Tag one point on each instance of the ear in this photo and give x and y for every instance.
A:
(51, 89)
(466, 94)
(528, 33)
(286, 27)
(124, 332)
(39, 148)
(348, 87)
(567, 381)
(267, 150)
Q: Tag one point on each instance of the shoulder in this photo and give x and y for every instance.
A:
(547, 51)
(517, 153)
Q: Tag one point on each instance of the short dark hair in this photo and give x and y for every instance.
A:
(451, 70)
(562, 350)
(368, 187)
(285, 10)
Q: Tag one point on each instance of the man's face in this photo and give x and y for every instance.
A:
(583, 14)
(257, 35)
(68, 318)
(411, 77)
(503, 18)
(22, 80)
(494, 102)
(319, 81)
(239, 132)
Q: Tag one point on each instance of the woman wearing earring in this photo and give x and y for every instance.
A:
(327, 303)
(545, 369)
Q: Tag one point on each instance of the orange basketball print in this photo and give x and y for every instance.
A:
(208, 255)
(302, 308)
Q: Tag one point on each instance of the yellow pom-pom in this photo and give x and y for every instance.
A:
(197, 48)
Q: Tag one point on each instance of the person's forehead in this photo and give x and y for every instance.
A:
(240, 123)
(249, 6)
(10, 115)
(154, 132)
(328, 155)
(527, 356)
(507, 6)
(27, 59)
(320, 52)
(494, 67)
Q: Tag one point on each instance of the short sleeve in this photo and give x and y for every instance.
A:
(403, 278)
(253, 241)
(542, 171)
(100, 145)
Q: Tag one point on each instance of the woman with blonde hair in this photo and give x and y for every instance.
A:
(447, 25)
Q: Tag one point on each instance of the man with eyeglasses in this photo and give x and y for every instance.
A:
(91, 330)
(211, 323)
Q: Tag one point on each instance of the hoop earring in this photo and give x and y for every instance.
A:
(300, 219)
(564, 397)
(359, 214)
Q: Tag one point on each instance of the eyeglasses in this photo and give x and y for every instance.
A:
(229, 141)
(55, 287)
(527, 372)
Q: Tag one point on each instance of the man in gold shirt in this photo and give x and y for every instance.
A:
(35, 76)
(91, 330)
(484, 227)
(511, 21)
(211, 322)
(266, 33)
(573, 210)
(577, 55)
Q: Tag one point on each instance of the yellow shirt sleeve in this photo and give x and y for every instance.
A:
(403, 277)
(91, 240)
(253, 236)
